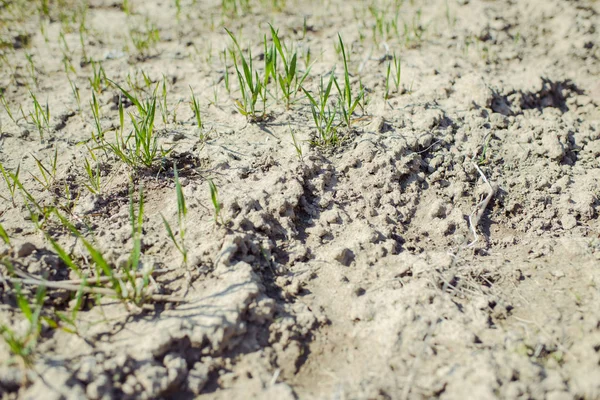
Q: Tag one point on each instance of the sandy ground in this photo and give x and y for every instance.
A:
(447, 246)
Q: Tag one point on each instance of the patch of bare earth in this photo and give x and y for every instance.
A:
(448, 245)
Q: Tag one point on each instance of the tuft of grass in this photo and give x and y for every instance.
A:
(93, 174)
(24, 346)
(69, 321)
(40, 115)
(252, 87)
(140, 148)
(98, 79)
(297, 146)
(396, 62)
(31, 68)
(48, 173)
(125, 285)
(98, 136)
(181, 218)
(235, 7)
(348, 102)
(289, 81)
(214, 197)
(144, 38)
(4, 236)
(7, 108)
(164, 111)
(196, 109)
(75, 91)
(322, 113)
(10, 179)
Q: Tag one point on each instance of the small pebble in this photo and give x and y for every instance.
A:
(26, 249)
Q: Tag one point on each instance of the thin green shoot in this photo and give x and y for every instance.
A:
(196, 109)
(4, 236)
(140, 148)
(40, 116)
(98, 79)
(31, 68)
(164, 111)
(322, 113)
(181, 219)
(289, 81)
(24, 346)
(217, 206)
(226, 71)
(69, 321)
(48, 173)
(297, 145)
(98, 136)
(7, 108)
(75, 91)
(93, 174)
(251, 86)
(11, 179)
(348, 102)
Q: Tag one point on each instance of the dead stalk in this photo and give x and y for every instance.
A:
(477, 213)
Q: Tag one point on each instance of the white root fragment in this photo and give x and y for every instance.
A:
(477, 213)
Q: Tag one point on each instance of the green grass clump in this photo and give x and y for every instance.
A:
(253, 87)
(348, 101)
(290, 81)
(23, 345)
(40, 116)
(140, 148)
(322, 113)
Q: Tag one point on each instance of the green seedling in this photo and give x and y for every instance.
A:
(288, 81)
(98, 135)
(68, 65)
(4, 236)
(144, 39)
(140, 148)
(181, 218)
(40, 116)
(31, 68)
(396, 62)
(125, 286)
(7, 108)
(384, 28)
(24, 346)
(322, 113)
(48, 173)
(235, 7)
(10, 179)
(93, 175)
(226, 71)
(31, 201)
(69, 321)
(98, 79)
(348, 102)
(214, 197)
(44, 8)
(62, 254)
(196, 109)
(178, 8)
(297, 146)
(251, 86)
(164, 111)
(126, 8)
(75, 91)
(82, 41)
(147, 80)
